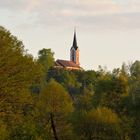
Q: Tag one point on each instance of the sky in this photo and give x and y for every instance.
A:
(108, 31)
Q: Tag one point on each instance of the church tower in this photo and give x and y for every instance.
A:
(73, 63)
(74, 51)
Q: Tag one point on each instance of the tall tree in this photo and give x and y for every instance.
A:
(18, 71)
(46, 58)
(97, 124)
(53, 108)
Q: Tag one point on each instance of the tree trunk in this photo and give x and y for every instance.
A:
(53, 127)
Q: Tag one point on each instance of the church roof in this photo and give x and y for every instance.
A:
(74, 42)
(67, 64)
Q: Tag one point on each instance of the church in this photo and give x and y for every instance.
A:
(73, 63)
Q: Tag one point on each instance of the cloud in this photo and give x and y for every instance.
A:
(118, 22)
(99, 14)
(32, 4)
(19, 5)
(98, 6)
(93, 14)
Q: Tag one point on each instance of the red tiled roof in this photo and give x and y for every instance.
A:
(66, 63)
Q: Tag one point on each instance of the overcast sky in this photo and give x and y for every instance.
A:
(108, 31)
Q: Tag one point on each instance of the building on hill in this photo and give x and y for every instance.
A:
(73, 63)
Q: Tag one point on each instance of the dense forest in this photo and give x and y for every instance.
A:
(40, 102)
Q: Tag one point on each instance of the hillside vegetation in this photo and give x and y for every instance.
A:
(40, 102)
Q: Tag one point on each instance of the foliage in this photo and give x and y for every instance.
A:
(54, 107)
(40, 102)
(18, 72)
(100, 123)
(46, 59)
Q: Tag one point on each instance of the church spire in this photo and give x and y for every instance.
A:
(75, 40)
(74, 51)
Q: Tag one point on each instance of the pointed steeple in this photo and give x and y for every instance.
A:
(74, 51)
(75, 40)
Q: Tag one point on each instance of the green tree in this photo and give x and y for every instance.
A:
(110, 88)
(18, 72)
(98, 124)
(84, 101)
(4, 134)
(53, 109)
(46, 58)
(135, 69)
(66, 78)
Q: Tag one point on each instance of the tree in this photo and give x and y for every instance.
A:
(98, 124)
(66, 78)
(4, 134)
(110, 89)
(135, 69)
(18, 72)
(54, 108)
(46, 59)
(84, 101)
